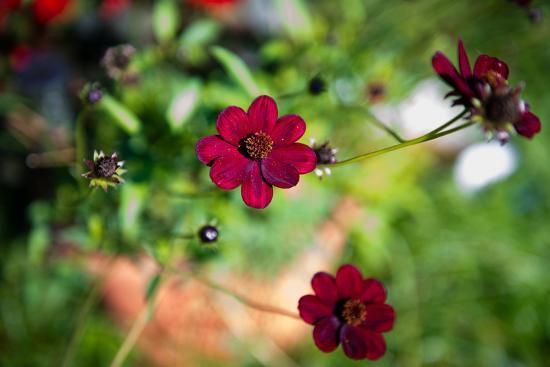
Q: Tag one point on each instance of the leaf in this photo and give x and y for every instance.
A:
(152, 286)
(122, 116)
(237, 70)
(132, 201)
(165, 20)
(200, 33)
(183, 105)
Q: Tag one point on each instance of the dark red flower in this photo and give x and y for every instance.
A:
(257, 150)
(486, 93)
(47, 10)
(110, 9)
(349, 310)
(6, 7)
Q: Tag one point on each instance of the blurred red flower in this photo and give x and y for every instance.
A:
(212, 2)
(6, 6)
(47, 10)
(257, 150)
(485, 91)
(112, 8)
(349, 310)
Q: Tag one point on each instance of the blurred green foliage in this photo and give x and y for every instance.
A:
(467, 274)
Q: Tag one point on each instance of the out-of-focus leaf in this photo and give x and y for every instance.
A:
(131, 203)
(200, 33)
(237, 70)
(38, 243)
(123, 116)
(295, 18)
(165, 20)
(183, 105)
(152, 286)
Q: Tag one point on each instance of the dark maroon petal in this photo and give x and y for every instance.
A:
(463, 61)
(448, 73)
(212, 147)
(299, 155)
(353, 342)
(486, 63)
(324, 286)
(312, 309)
(380, 317)
(373, 291)
(360, 344)
(256, 193)
(288, 129)
(349, 282)
(90, 164)
(233, 124)
(376, 345)
(263, 114)
(228, 170)
(280, 174)
(528, 125)
(325, 334)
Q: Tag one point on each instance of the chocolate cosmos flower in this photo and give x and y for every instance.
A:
(349, 310)
(257, 150)
(486, 93)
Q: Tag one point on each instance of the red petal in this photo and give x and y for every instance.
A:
(463, 61)
(380, 317)
(279, 173)
(486, 63)
(212, 147)
(288, 129)
(448, 73)
(360, 344)
(256, 193)
(233, 124)
(324, 286)
(312, 309)
(373, 291)
(299, 155)
(528, 125)
(349, 282)
(325, 334)
(228, 170)
(263, 114)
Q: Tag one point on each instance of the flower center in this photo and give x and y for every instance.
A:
(106, 167)
(354, 312)
(503, 108)
(258, 145)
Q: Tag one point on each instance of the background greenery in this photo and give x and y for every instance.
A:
(467, 274)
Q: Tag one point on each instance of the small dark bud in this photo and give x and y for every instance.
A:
(94, 96)
(325, 153)
(535, 15)
(316, 86)
(376, 92)
(208, 234)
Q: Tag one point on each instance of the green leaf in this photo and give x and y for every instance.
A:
(295, 18)
(123, 116)
(152, 286)
(132, 201)
(200, 33)
(165, 20)
(237, 70)
(183, 105)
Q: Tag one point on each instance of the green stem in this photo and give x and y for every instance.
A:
(437, 133)
(80, 145)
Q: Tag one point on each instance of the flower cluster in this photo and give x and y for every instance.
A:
(258, 150)
(348, 310)
(105, 170)
(486, 93)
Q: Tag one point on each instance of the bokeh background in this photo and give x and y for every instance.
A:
(457, 229)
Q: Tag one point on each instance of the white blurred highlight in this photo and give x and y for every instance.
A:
(483, 164)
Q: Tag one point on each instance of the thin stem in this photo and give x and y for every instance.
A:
(449, 123)
(429, 136)
(80, 145)
(387, 129)
(248, 302)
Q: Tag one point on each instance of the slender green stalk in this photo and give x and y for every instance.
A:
(437, 133)
(388, 130)
(449, 123)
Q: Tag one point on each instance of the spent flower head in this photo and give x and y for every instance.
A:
(117, 59)
(105, 170)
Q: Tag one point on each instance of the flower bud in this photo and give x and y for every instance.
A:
(208, 234)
